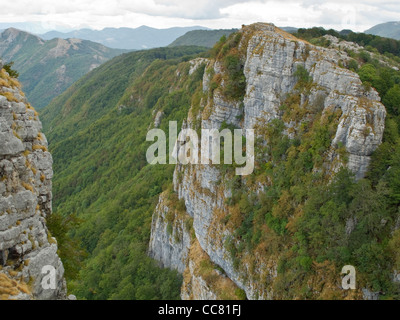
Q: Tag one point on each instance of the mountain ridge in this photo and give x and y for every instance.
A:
(388, 29)
(48, 67)
(143, 37)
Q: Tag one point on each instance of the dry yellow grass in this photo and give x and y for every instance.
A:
(10, 288)
(28, 186)
(15, 84)
(4, 78)
(7, 81)
(38, 147)
(289, 36)
(10, 97)
(3, 83)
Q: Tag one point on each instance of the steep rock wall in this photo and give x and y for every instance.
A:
(271, 59)
(203, 280)
(171, 239)
(25, 197)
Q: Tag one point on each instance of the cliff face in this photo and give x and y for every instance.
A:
(271, 61)
(270, 75)
(25, 200)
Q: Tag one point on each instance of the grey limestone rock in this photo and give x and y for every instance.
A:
(169, 247)
(25, 199)
(270, 63)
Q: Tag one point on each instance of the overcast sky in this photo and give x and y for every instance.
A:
(357, 15)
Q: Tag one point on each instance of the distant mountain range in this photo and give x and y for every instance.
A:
(35, 27)
(48, 68)
(203, 38)
(126, 38)
(388, 30)
(289, 29)
(50, 63)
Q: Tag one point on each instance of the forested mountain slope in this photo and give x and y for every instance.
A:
(97, 133)
(388, 29)
(48, 68)
(126, 38)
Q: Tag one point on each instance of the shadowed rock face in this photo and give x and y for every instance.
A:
(271, 58)
(25, 197)
(174, 254)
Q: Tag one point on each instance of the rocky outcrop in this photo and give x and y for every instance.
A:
(48, 67)
(205, 281)
(170, 241)
(271, 59)
(26, 245)
(347, 46)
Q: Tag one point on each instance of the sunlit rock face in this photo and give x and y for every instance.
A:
(271, 58)
(25, 199)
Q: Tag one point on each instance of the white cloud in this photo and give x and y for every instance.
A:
(189, 9)
(357, 14)
(290, 13)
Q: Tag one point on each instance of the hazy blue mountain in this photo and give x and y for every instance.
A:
(35, 27)
(126, 38)
(289, 29)
(48, 68)
(388, 30)
(207, 38)
(203, 38)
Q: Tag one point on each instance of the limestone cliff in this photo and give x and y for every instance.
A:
(26, 245)
(271, 60)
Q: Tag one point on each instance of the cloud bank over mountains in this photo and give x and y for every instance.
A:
(358, 15)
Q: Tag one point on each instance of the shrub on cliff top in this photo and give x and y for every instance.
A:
(10, 71)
